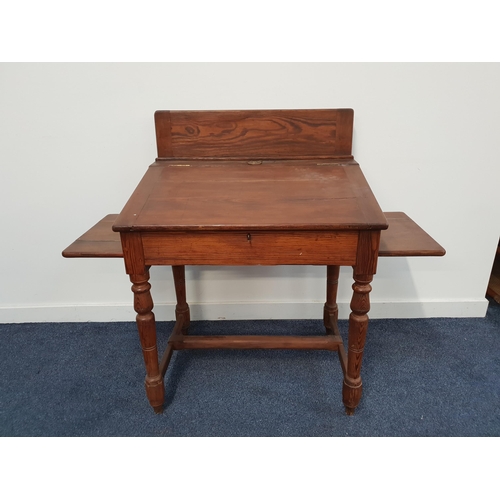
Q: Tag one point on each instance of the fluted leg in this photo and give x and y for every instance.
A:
(358, 326)
(182, 314)
(331, 310)
(143, 305)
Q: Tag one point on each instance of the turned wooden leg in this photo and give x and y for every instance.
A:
(143, 305)
(331, 310)
(182, 314)
(358, 326)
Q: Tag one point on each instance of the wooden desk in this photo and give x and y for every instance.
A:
(254, 188)
(263, 209)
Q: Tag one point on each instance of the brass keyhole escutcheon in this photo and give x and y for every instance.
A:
(249, 237)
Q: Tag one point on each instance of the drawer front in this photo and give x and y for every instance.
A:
(252, 248)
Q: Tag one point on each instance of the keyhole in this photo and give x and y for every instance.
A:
(249, 237)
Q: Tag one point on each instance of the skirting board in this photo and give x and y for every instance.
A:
(240, 311)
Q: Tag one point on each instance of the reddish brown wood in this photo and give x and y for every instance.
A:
(327, 342)
(163, 128)
(364, 270)
(331, 310)
(249, 188)
(229, 196)
(146, 325)
(167, 355)
(133, 253)
(98, 241)
(256, 134)
(250, 248)
(358, 326)
(143, 305)
(182, 314)
(405, 238)
(342, 358)
(165, 360)
(134, 205)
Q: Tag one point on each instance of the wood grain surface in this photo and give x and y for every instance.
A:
(250, 248)
(257, 134)
(405, 238)
(289, 195)
(98, 241)
(255, 187)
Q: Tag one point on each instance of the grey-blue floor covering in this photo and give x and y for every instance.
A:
(422, 377)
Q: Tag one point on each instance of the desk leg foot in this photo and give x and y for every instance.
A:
(331, 310)
(158, 409)
(358, 326)
(182, 313)
(351, 397)
(146, 325)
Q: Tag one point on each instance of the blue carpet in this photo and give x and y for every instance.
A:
(423, 377)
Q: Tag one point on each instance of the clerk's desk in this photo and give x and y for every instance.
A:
(249, 188)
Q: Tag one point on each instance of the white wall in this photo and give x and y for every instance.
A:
(76, 139)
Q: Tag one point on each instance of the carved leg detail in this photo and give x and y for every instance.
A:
(182, 313)
(358, 326)
(331, 310)
(143, 305)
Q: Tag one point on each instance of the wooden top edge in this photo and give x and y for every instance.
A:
(268, 228)
(100, 250)
(271, 110)
(246, 158)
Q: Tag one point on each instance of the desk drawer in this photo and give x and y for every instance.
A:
(250, 248)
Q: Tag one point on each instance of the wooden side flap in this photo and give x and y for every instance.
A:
(405, 238)
(255, 134)
(98, 241)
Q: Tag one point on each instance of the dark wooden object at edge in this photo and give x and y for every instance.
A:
(493, 289)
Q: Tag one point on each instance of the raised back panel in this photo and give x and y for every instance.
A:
(255, 134)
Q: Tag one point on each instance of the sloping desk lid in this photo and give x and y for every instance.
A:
(241, 195)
